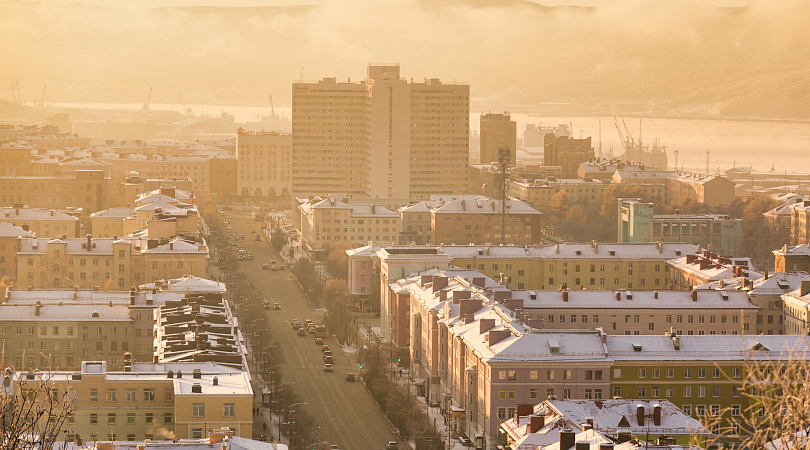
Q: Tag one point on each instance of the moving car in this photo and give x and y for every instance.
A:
(392, 445)
(327, 367)
(328, 359)
(266, 304)
(277, 306)
(265, 266)
(318, 341)
(325, 348)
(302, 332)
(351, 377)
(295, 324)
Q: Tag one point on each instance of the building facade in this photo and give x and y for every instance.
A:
(497, 131)
(263, 163)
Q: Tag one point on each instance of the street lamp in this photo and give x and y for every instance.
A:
(289, 418)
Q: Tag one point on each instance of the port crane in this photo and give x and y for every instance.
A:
(148, 100)
(16, 92)
(186, 109)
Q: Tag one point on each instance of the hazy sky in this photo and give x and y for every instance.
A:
(694, 54)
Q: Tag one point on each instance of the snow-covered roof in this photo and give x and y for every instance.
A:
(484, 205)
(66, 312)
(713, 269)
(794, 250)
(634, 250)
(708, 347)
(633, 299)
(9, 230)
(8, 213)
(118, 212)
(190, 284)
(178, 245)
(155, 198)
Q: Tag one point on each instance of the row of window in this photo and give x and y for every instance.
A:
(670, 373)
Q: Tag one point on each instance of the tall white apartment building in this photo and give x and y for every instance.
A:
(384, 137)
(331, 138)
(263, 162)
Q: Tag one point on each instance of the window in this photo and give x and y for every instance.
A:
(93, 418)
(148, 395)
(549, 374)
(701, 373)
(687, 373)
(701, 391)
(229, 410)
(670, 373)
(532, 374)
(589, 374)
(617, 391)
(512, 375)
(715, 391)
(654, 392)
(502, 413)
(149, 418)
(687, 409)
(196, 433)
(735, 410)
(642, 392)
(511, 394)
(533, 393)
(735, 391)
(93, 395)
(502, 394)
(130, 418)
(670, 391)
(700, 410)
(111, 418)
(617, 373)
(656, 373)
(567, 374)
(167, 394)
(642, 373)
(716, 373)
(112, 395)
(735, 373)
(130, 395)
(501, 374)
(687, 391)
(167, 417)
(588, 394)
(198, 409)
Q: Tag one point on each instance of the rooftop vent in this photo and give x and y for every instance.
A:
(196, 388)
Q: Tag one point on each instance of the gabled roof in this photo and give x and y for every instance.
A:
(9, 230)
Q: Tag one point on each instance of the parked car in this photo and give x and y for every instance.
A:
(392, 445)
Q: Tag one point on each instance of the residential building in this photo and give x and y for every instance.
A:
(567, 153)
(715, 232)
(9, 235)
(398, 138)
(416, 219)
(263, 163)
(498, 131)
(476, 220)
(118, 221)
(107, 262)
(331, 138)
(799, 223)
(797, 309)
(364, 277)
(88, 190)
(15, 158)
(328, 221)
(150, 401)
(599, 169)
(792, 258)
(539, 192)
(779, 218)
(710, 190)
(223, 437)
(475, 351)
(704, 267)
(542, 425)
(641, 312)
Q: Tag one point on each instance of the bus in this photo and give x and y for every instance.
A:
(320, 330)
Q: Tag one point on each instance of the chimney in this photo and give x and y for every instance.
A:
(196, 374)
(196, 388)
(468, 306)
(502, 295)
(694, 295)
(583, 445)
(536, 422)
(89, 242)
(439, 282)
(618, 296)
(216, 381)
(171, 245)
(496, 336)
(586, 427)
(25, 227)
(170, 374)
(565, 296)
(485, 325)
(657, 415)
(676, 342)
(468, 318)
(567, 437)
(606, 446)
(514, 304)
(804, 288)
(459, 295)
(640, 414)
(425, 279)
(479, 281)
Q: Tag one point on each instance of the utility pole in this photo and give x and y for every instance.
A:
(504, 162)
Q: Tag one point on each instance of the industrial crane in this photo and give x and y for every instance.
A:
(186, 109)
(148, 100)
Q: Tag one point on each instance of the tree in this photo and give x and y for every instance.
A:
(278, 239)
(336, 260)
(32, 410)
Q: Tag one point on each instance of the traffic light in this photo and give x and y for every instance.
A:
(361, 366)
(399, 359)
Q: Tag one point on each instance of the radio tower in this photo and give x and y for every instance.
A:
(504, 161)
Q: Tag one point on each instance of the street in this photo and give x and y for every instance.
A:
(344, 410)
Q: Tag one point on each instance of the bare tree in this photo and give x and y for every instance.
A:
(32, 410)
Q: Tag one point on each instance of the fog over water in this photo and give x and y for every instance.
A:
(724, 58)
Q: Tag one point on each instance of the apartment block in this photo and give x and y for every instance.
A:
(481, 356)
(383, 137)
(792, 258)
(88, 190)
(715, 232)
(465, 220)
(498, 131)
(797, 308)
(566, 152)
(106, 262)
(263, 163)
(331, 138)
(704, 266)
(328, 221)
(42, 222)
(799, 223)
(9, 235)
(150, 401)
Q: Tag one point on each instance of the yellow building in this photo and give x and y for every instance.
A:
(113, 222)
(263, 162)
(152, 401)
(106, 262)
(88, 190)
(42, 222)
